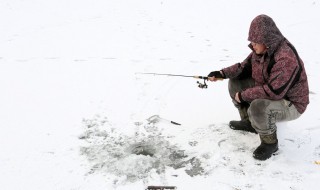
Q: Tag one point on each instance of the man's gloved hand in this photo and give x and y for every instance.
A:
(216, 75)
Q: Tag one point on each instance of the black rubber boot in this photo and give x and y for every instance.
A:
(268, 146)
(244, 124)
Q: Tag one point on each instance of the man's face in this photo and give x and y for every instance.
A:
(259, 48)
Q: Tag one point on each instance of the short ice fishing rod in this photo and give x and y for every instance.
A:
(200, 85)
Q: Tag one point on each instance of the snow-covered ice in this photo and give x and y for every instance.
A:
(74, 112)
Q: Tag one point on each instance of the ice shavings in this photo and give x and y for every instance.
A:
(146, 153)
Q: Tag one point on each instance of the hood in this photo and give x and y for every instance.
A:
(263, 30)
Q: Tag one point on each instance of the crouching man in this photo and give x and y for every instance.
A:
(269, 86)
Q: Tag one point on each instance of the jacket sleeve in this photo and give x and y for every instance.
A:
(239, 69)
(282, 76)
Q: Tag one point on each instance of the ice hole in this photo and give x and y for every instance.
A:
(143, 149)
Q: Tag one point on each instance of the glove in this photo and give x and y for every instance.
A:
(216, 74)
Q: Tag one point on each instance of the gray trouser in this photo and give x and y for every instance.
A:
(263, 113)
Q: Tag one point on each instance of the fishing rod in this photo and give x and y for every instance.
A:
(200, 85)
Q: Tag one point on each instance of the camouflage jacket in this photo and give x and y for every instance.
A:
(278, 74)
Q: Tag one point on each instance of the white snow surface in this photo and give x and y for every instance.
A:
(73, 110)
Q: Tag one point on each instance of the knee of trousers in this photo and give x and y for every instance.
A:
(237, 85)
(233, 87)
(258, 115)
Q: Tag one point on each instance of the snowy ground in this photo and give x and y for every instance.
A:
(73, 113)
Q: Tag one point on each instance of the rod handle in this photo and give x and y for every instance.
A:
(205, 78)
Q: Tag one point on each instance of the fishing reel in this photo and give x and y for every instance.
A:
(202, 85)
